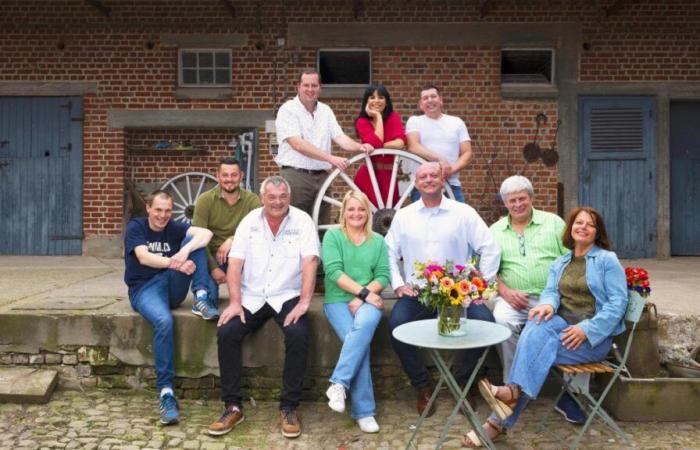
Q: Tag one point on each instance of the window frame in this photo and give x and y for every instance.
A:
(199, 50)
(552, 74)
(340, 50)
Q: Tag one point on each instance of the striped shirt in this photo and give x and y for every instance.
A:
(525, 261)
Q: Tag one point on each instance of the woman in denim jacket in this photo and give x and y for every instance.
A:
(580, 310)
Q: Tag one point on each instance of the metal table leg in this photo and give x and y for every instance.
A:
(425, 413)
(460, 396)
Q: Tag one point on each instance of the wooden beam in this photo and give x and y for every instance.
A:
(98, 5)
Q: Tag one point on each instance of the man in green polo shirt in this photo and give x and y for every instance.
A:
(220, 210)
(530, 241)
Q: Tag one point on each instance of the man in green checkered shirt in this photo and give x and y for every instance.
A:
(530, 241)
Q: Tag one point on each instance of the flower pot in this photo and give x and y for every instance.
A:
(643, 360)
(452, 320)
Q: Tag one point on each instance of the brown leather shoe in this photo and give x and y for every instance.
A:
(424, 395)
(291, 423)
(231, 417)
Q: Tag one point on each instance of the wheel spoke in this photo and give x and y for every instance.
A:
(190, 199)
(329, 226)
(201, 185)
(179, 207)
(181, 217)
(405, 194)
(392, 183)
(353, 186)
(332, 201)
(373, 179)
(177, 191)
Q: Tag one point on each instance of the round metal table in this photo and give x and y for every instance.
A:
(423, 333)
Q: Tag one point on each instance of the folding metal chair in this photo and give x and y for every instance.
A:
(614, 365)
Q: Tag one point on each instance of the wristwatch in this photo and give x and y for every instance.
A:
(363, 294)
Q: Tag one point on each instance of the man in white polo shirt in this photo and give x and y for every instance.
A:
(271, 274)
(439, 137)
(434, 228)
(305, 128)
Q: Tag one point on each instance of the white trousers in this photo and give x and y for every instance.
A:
(514, 319)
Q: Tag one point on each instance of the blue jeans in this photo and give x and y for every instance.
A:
(456, 190)
(408, 309)
(352, 369)
(539, 348)
(213, 287)
(154, 300)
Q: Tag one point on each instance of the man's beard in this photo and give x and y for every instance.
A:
(231, 191)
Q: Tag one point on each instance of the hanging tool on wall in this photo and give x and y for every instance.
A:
(550, 157)
(532, 151)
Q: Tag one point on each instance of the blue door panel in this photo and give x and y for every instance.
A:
(41, 175)
(685, 182)
(617, 175)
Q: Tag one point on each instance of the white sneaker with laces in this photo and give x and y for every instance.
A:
(336, 397)
(368, 424)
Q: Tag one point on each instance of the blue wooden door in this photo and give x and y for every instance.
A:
(685, 183)
(41, 175)
(617, 169)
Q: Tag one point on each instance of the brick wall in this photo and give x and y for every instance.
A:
(69, 40)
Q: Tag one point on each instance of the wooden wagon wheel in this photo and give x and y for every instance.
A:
(385, 209)
(185, 189)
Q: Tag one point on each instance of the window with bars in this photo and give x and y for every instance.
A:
(204, 68)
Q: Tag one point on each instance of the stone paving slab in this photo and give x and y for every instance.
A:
(128, 420)
(26, 385)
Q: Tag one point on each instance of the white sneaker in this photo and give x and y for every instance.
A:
(368, 424)
(336, 397)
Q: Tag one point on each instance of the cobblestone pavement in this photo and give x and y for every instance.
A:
(128, 420)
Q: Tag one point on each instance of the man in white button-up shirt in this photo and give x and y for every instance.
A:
(271, 274)
(438, 229)
(305, 128)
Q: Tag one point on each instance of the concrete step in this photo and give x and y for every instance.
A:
(26, 385)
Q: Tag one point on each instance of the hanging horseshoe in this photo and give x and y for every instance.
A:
(532, 151)
(550, 157)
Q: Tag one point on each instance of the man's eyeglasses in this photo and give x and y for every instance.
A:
(521, 244)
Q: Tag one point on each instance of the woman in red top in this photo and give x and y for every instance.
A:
(381, 127)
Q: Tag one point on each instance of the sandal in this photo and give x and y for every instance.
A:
(471, 439)
(503, 409)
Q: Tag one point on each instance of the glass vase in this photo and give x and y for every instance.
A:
(451, 320)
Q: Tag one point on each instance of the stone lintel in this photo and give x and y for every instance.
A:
(180, 118)
(47, 88)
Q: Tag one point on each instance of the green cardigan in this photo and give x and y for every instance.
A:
(363, 263)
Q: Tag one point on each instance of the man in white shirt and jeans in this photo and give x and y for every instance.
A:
(271, 273)
(434, 228)
(439, 137)
(305, 128)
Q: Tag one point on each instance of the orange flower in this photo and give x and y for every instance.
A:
(463, 287)
(446, 283)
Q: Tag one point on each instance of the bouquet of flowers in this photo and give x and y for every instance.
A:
(448, 288)
(638, 280)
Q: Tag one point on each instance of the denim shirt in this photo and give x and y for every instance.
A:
(606, 280)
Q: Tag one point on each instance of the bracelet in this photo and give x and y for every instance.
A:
(363, 294)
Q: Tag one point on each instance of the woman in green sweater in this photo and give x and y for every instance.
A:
(357, 269)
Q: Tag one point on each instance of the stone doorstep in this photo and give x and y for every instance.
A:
(26, 385)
